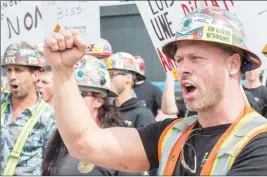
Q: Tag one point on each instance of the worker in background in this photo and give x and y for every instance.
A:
(102, 51)
(57, 160)
(4, 84)
(26, 119)
(255, 87)
(45, 84)
(145, 90)
(124, 73)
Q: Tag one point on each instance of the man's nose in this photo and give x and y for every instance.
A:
(12, 75)
(183, 69)
(38, 85)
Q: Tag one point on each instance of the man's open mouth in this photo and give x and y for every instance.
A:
(14, 86)
(189, 88)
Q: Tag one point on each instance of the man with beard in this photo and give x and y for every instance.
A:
(227, 137)
(124, 73)
(45, 84)
(26, 119)
(172, 106)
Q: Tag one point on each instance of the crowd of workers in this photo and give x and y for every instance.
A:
(79, 109)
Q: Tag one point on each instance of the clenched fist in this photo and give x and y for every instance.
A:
(63, 49)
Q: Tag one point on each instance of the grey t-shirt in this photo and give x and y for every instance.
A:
(73, 167)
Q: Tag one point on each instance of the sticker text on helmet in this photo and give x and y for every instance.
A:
(217, 34)
(10, 59)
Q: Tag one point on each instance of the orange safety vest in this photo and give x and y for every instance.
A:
(248, 125)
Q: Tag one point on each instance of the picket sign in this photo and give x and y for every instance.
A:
(32, 21)
(162, 19)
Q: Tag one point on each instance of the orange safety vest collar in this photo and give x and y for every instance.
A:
(175, 152)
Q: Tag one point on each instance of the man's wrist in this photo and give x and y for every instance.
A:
(63, 72)
(169, 75)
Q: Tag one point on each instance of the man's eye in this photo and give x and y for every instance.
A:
(179, 60)
(197, 57)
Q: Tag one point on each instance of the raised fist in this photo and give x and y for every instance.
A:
(63, 49)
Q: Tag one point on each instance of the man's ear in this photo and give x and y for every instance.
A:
(233, 64)
(128, 79)
(35, 75)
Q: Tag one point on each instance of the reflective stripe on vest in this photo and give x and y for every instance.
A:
(3, 109)
(228, 150)
(169, 141)
(22, 138)
(245, 129)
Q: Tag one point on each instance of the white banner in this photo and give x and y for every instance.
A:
(31, 21)
(162, 18)
(21, 21)
(80, 15)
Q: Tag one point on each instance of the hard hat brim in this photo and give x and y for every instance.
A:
(109, 92)
(169, 49)
(140, 77)
(100, 54)
(30, 65)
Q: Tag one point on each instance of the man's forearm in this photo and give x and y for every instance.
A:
(73, 118)
(168, 97)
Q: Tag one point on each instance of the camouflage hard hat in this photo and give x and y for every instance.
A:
(124, 61)
(22, 53)
(215, 25)
(92, 75)
(100, 50)
(39, 47)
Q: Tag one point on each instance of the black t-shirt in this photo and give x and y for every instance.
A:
(184, 112)
(151, 94)
(260, 95)
(251, 160)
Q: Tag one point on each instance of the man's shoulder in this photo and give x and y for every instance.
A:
(4, 96)
(48, 114)
(160, 125)
(252, 159)
(264, 90)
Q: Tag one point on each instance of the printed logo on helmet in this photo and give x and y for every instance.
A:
(108, 63)
(91, 72)
(238, 39)
(97, 48)
(28, 53)
(193, 22)
(80, 74)
(187, 22)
